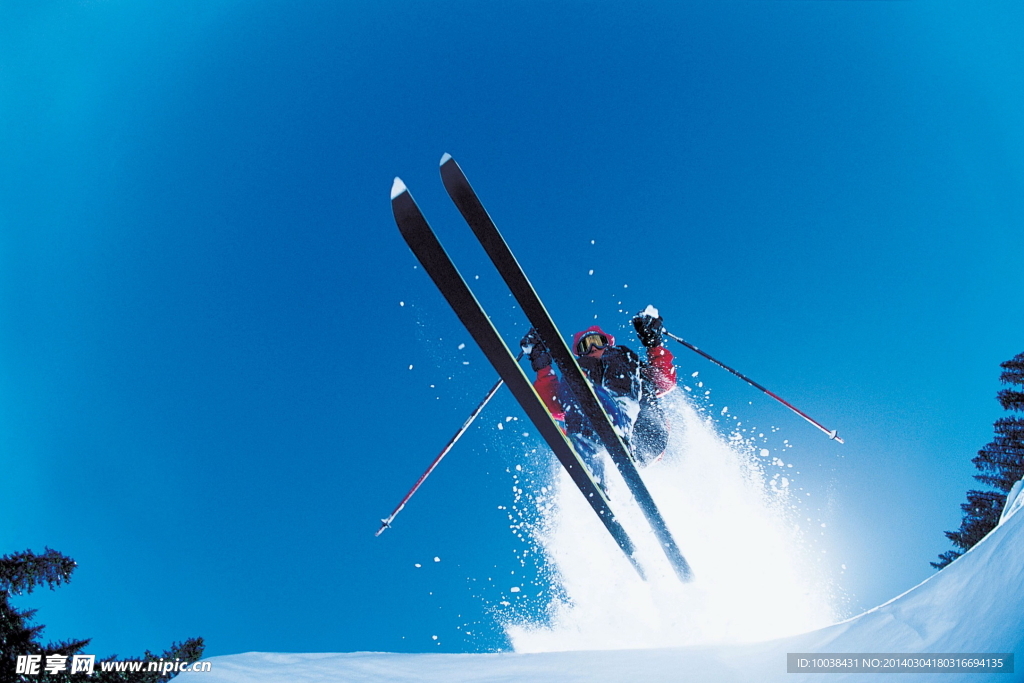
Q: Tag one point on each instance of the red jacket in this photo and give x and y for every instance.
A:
(658, 371)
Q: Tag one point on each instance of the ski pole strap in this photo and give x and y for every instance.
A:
(831, 433)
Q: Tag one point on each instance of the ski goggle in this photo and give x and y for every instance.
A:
(592, 341)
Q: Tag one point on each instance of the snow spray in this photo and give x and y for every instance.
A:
(756, 579)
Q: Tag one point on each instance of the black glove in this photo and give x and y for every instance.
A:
(648, 327)
(535, 349)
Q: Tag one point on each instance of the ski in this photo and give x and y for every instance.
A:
(435, 260)
(468, 203)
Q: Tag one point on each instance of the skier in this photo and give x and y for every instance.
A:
(627, 387)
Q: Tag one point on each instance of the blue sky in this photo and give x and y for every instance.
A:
(206, 396)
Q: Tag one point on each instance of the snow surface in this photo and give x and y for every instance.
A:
(971, 606)
(1014, 501)
(724, 627)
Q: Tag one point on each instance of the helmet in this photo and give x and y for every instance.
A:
(593, 329)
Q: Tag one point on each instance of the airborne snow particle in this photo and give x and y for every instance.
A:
(591, 272)
(461, 346)
(434, 637)
(417, 565)
(514, 589)
(401, 303)
(437, 559)
(765, 453)
(501, 426)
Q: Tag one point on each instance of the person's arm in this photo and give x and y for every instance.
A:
(659, 368)
(546, 383)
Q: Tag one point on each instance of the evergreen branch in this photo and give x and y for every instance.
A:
(22, 572)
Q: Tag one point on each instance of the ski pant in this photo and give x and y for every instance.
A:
(623, 413)
(643, 428)
(650, 433)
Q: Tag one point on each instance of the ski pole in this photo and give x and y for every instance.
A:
(386, 523)
(830, 432)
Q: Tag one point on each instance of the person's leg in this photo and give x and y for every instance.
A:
(592, 455)
(583, 438)
(650, 433)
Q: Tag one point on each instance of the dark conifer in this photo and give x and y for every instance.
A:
(1013, 373)
(1001, 464)
(1002, 461)
(22, 573)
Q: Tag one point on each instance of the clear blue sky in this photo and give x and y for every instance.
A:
(205, 394)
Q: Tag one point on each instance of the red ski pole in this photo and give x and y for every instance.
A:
(386, 523)
(830, 432)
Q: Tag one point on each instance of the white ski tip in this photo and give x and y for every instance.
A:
(445, 158)
(398, 188)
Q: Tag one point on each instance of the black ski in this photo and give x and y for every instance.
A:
(435, 260)
(497, 249)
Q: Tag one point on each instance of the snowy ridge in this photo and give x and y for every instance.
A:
(1014, 501)
(971, 606)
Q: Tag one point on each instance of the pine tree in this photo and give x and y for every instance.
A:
(22, 573)
(1001, 464)
(1013, 373)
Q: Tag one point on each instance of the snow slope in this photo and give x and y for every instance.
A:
(972, 606)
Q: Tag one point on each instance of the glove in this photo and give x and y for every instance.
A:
(648, 325)
(533, 346)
